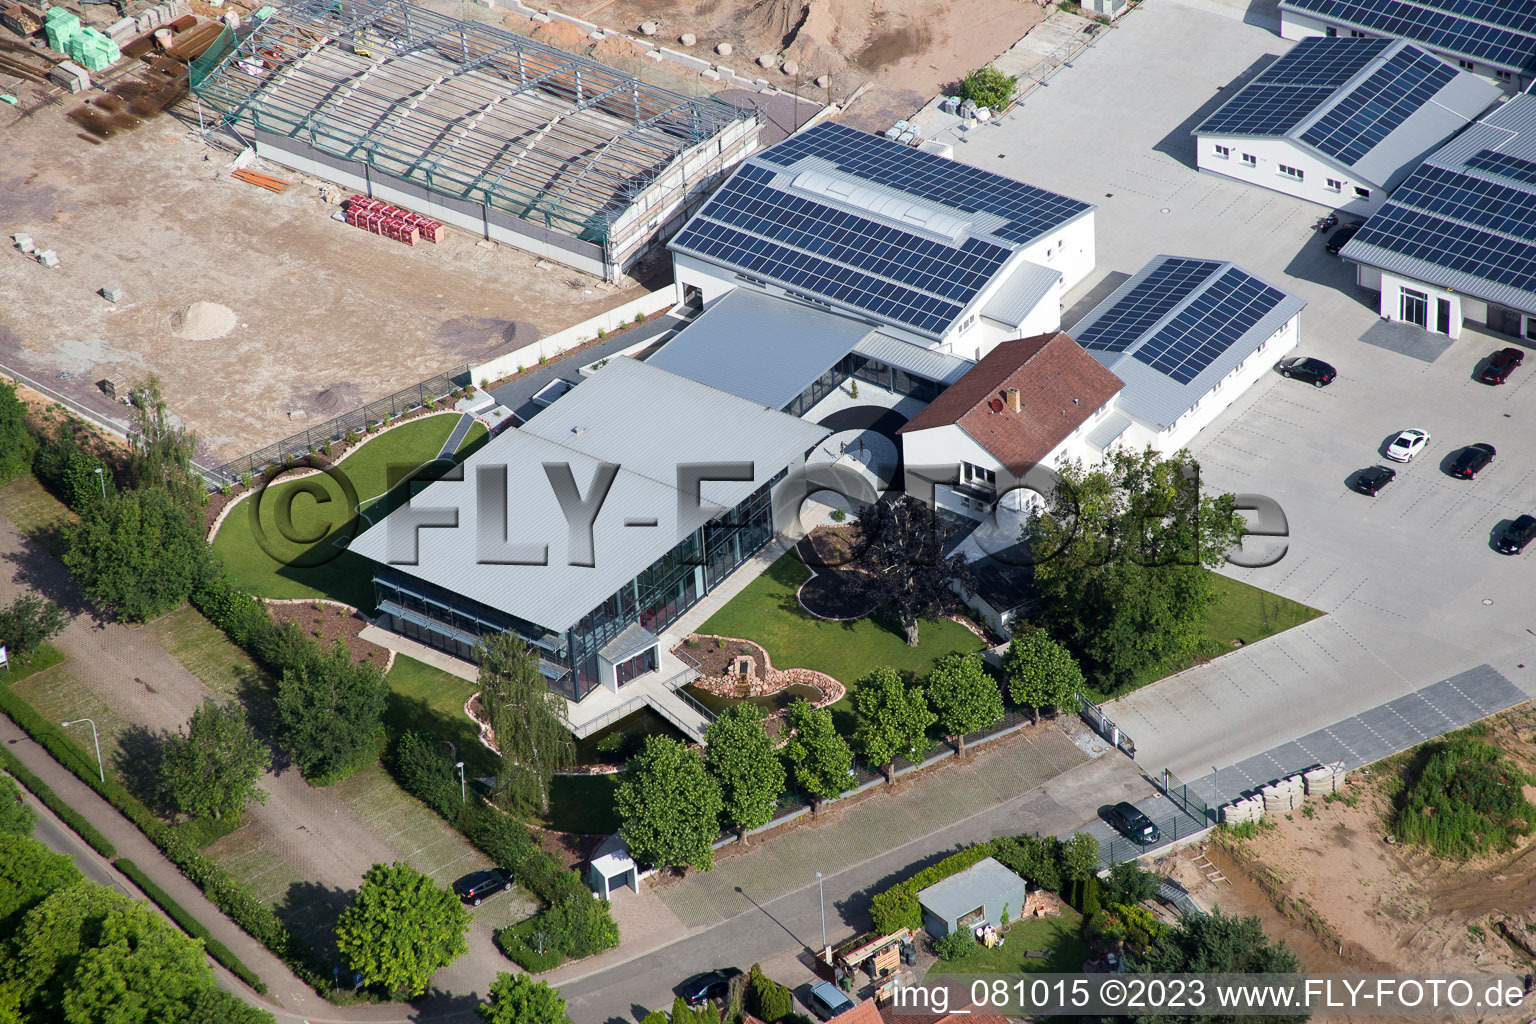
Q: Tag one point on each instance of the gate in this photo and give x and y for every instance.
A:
(1179, 792)
(1105, 726)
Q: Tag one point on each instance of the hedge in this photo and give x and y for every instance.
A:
(515, 946)
(897, 907)
(257, 918)
(67, 814)
(189, 924)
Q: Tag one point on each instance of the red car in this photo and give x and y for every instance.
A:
(1499, 365)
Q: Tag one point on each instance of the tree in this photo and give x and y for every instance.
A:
(766, 998)
(1041, 673)
(988, 87)
(670, 806)
(212, 770)
(401, 929)
(903, 564)
(1129, 884)
(682, 1013)
(741, 757)
(527, 717)
(16, 442)
(139, 555)
(893, 719)
(15, 816)
(330, 713)
(965, 695)
(85, 488)
(427, 773)
(822, 759)
(1080, 857)
(1122, 553)
(27, 624)
(161, 449)
(29, 871)
(1216, 943)
(518, 999)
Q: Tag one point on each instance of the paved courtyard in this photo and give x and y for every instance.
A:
(1414, 593)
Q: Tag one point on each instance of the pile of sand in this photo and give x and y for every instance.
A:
(204, 321)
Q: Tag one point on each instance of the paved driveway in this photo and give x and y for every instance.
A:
(1413, 592)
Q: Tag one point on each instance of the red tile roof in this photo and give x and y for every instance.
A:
(868, 1013)
(864, 1013)
(1060, 386)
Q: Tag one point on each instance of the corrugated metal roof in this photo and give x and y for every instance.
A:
(643, 420)
(632, 639)
(1153, 397)
(1450, 109)
(760, 347)
(1020, 293)
(928, 363)
(960, 894)
(1510, 129)
(1105, 434)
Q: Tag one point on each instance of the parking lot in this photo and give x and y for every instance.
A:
(1413, 589)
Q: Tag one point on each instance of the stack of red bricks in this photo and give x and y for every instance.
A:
(379, 217)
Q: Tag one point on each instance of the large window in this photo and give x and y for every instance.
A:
(633, 668)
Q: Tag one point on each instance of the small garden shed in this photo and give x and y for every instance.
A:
(971, 898)
(612, 868)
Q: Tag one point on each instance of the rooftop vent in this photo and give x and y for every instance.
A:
(896, 209)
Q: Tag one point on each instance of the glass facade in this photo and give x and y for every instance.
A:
(639, 665)
(451, 622)
(853, 365)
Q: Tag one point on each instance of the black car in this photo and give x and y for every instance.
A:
(1133, 823)
(1314, 371)
(1341, 237)
(482, 885)
(1371, 481)
(701, 988)
(1517, 535)
(1499, 365)
(1472, 458)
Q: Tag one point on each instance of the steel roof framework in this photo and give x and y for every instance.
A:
(466, 109)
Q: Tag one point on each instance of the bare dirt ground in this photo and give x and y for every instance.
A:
(906, 51)
(325, 316)
(1346, 900)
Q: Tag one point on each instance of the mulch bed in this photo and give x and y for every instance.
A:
(719, 661)
(570, 848)
(327, 624)
(834, 545)
(829, 595)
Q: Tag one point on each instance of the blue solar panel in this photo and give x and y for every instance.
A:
(817, 249)
(1212, 322)
(1266, 109)
(1501, 33)
(1511, 167)
(1028, 211)
(1463, 197)
(1371, 110)
(1153, 298)
(1458, 247)
(1323, 60)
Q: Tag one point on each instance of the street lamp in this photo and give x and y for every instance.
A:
(101, 479)
(822, 897)
(463, 794)
(97, 739)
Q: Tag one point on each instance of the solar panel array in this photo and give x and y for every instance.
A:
(1028, 211)
(1497, 32)
(1213, 321)
(1266, 109)
(1370, 111)
(1445, 243)
(1153, 298)
(1323, 60)
(814, 248)
(1455, 195)
(1511, 167)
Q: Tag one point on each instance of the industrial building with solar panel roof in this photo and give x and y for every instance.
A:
(1492, 38)
(1340, 122)
(1457, 240)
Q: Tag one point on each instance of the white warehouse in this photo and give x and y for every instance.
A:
(1340, 121)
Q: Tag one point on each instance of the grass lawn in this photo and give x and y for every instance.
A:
(204, 650)
(32, 509)
(58, 696)
(1060, 937)
(297, 558)
(1246, 613)
(768, 612)
(430, 700)
(584, 804)
(45, 657)
(474, 440)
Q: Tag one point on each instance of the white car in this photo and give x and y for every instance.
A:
(1407, 444)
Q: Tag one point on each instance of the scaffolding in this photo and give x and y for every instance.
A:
(476, 116)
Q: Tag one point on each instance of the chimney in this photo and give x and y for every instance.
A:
(1015, 400)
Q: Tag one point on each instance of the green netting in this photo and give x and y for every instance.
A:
(215, 54)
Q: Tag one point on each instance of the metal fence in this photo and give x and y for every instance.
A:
(1179, 792)
(1105, 726)
(1170, 829)
(382, 411)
